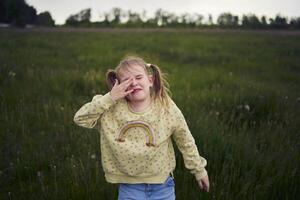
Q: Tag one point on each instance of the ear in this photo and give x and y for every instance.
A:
(151, 79)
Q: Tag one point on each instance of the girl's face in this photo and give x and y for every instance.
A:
(141, 83)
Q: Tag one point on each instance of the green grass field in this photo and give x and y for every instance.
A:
(238, 90)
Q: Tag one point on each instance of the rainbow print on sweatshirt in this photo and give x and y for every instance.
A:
(150, 137)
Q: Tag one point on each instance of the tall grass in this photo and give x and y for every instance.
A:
(239, 92)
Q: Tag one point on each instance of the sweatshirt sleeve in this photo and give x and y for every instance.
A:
(186, 145)
(88, 115)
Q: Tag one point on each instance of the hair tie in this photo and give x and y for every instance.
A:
(148, 64)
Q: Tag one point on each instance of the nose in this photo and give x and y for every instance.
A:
(133, 82)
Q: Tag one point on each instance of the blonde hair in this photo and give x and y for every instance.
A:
(160, 88)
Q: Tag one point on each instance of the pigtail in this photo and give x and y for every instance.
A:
(160, 85)
(111, 77)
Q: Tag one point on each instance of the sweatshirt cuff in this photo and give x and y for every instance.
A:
(105, 100)
(108, 99)
(201, 175)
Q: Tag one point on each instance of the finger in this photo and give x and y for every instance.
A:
(206, 186)
(126, 84)
(116, 82)
(127, 81)
(200, 184)
(128, 92)
(207, 189)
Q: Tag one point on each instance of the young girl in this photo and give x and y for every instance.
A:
(136, 121)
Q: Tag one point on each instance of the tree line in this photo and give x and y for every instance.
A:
(117, 17)
(18, 13)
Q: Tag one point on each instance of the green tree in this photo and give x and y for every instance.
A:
(81, 18)
(227, 19)
(210, 19)
(30, 15)
(45, 19)
(159, 17)
(199, 19)
(134, 19)
(279, 22)
(116, 13)
(17, 13)
(251, 21)
(295, 23)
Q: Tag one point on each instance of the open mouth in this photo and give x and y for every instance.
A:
(136, 90)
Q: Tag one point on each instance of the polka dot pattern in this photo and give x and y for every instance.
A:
(132, 157)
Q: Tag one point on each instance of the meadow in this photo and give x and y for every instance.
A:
(238, 90)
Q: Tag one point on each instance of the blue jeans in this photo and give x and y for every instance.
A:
(164, 191)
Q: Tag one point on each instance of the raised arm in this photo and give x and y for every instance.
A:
(88, 115)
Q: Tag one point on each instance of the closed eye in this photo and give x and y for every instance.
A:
(139, 77)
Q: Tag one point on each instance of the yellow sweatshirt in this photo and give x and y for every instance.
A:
(136, 147)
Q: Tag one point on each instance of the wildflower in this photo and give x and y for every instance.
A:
(39, 174)
(247, 107)
(11, 73)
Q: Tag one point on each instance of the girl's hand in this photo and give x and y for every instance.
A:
(119, 91)
(204, 184)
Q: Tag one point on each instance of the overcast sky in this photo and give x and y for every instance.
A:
(61, 9)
